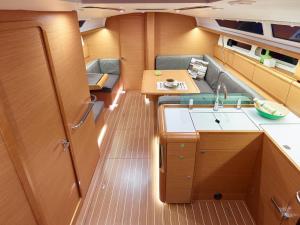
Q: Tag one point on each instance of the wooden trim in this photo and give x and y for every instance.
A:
(150, 41)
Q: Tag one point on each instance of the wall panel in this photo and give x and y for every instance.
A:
(177, 34)
(104, 42)
(12, 196)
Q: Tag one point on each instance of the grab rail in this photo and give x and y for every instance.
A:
(86, 113)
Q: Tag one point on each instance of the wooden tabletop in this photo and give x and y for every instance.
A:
(149, 82)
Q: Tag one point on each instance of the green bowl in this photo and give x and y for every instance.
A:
(269, 116)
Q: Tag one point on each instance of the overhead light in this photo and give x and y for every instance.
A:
(121, 10)
(177, 10)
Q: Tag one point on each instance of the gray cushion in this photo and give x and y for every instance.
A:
(97, 109)
(181, 62)
(235, 85)
(93, 67)
(203, 86)
(110, 66)
(169, 100)
(212, 73)
(93, 78)
(110, 83)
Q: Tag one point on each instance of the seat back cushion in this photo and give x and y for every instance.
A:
(110, 66)
(180, 62)
(212, 73)
(235, 85)
(93, 67)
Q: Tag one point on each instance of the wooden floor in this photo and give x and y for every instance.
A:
(124, 190)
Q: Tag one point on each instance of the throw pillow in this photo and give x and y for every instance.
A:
(197, 68)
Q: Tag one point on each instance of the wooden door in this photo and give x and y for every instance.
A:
(14, 207)
(32, 118)
(132, 29)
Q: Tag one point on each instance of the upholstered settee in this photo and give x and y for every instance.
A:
(214, 75)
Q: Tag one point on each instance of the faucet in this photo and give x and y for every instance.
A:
(217, 102)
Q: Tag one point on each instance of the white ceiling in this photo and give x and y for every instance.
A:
(258, 10)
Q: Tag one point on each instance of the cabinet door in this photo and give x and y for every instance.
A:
(279, 181)
(31, 117)
(223, 171)
(180, 170)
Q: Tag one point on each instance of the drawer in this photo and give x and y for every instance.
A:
(178, 189)
(178, 166)
(187, 149)
(227, 140)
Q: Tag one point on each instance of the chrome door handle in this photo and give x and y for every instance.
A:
(86, 113)
(66, 144)
(282, 211)
(298, 196)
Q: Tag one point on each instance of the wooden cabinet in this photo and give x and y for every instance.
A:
(277, 181)
(225, 164)
(177, 159)
(242, 65)
(180, 171)
(276, 85)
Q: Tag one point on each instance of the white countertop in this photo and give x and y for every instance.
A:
(178, 120)
(285, 132)
(286, 136)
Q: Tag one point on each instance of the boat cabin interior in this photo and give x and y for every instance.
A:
(149, 112)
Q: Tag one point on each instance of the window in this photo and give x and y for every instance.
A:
(281, 57)
(81, 22)
(238, 44)
(251, 27)
(286, 32)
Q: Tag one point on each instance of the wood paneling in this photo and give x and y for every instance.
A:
(178, 35)
(225, 164)
(14, 207)
(32, 111)
(243, 66)
(226, 140)
(293, 99)
(277, 86)
(150, 41)
(276, 178)
(132, 39)
(104, 42)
